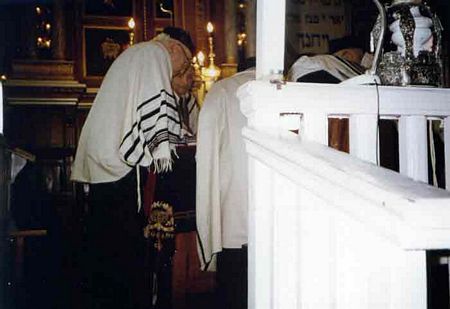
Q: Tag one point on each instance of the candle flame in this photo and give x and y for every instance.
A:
(131, 24)
(209, 27)
(201, 58)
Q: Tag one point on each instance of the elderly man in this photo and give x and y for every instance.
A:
(133, 123)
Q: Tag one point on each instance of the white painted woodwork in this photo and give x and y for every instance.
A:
(447, 152)
(315, 127)
(260, 251)
(330, 231)
(413, 150)
(270, 19)
(327, 229)
(364, 137)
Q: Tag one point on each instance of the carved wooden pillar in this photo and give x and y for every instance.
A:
(58, 31)
(29, 32)
(250, 25)
(230, 32)
(229, 38)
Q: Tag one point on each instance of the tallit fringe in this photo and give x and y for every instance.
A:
(163, 165)
(162, 157)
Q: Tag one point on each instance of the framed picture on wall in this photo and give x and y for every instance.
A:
(108, 7)
(101, 46)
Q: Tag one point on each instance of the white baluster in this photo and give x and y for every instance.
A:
(363, 137)
(447, 151)
(315, 127)
(413, 147)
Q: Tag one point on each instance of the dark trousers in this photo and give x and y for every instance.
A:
(116, 247)
(232, 278)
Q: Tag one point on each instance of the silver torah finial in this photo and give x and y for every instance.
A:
(382, 30)
(411, 49)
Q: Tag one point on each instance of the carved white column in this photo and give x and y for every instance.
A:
(270, 37)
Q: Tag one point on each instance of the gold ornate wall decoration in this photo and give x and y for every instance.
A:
(110, 49)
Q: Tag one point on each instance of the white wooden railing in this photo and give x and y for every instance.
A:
(332, 230)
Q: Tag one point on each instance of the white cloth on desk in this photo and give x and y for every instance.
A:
(222, 198)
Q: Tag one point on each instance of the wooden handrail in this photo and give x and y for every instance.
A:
(28, 233)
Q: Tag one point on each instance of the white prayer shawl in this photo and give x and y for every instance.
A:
(336, 66)
(221, 194)
(134, 119)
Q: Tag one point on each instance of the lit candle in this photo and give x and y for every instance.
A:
(201, 58)
(131, 24)
(209, 27)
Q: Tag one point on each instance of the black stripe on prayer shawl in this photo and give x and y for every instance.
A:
(146, 116)
(351, 65)
(128, 134)
(160, 117)
(154, 112)
(154, 98)
(132, 148)
(162, 137)
(140, 158)
(135, 147)
(159, 137)
(154, 140)
(135, 142)
(161, 132)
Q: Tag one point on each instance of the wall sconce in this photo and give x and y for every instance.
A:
(212, 72)
(131, 25)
